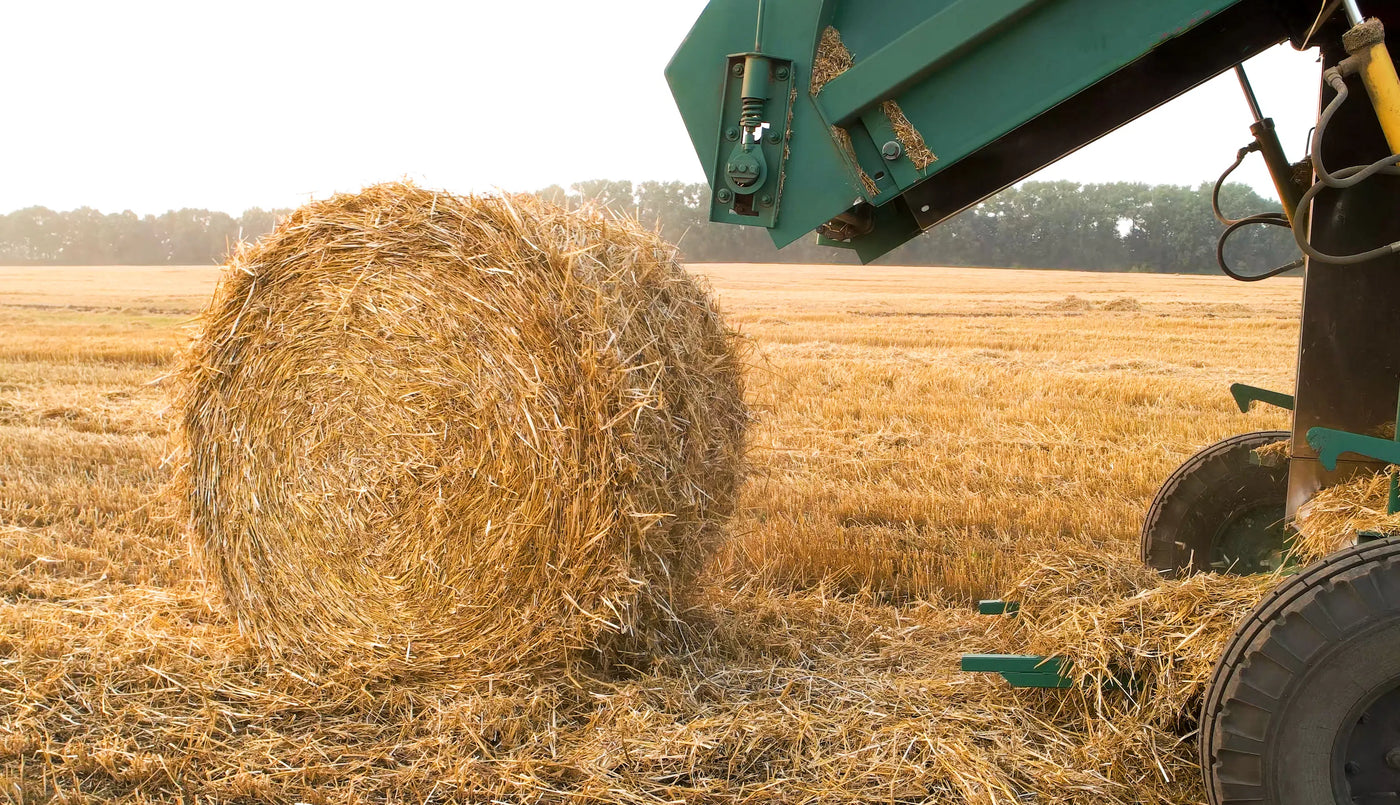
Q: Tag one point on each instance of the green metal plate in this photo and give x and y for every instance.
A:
(965, 73)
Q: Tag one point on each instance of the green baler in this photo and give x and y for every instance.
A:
(869, 122)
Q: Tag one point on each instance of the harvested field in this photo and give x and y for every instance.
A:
(922, 435)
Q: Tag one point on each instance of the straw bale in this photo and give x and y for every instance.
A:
(426, 432)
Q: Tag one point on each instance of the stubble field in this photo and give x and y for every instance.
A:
(920, 434)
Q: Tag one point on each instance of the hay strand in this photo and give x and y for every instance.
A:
(909, 137)
(1330, 521)
(831, 60)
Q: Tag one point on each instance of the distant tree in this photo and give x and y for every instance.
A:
(554, 194)
(1102, 227)
(605, 192)
(256, 222)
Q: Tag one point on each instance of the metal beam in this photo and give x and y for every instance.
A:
(908, 59)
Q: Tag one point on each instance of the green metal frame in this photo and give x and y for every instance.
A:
(1245, 395)
(964, 72)
(1022, 671)
(1330, 444)
(1010, 608)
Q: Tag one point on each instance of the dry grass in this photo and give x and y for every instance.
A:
(1331, 520)
(922, 435)
(832, 59)
(909, 137)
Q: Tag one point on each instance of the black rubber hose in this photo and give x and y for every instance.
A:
(1264, 219)
(1219, 183)
(1342, 179)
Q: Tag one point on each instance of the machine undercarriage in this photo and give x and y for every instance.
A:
(869, 123)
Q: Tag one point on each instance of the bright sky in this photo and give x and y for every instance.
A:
(149, 106)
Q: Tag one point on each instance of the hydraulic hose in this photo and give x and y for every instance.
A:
(1340, 180)
(1233, 225)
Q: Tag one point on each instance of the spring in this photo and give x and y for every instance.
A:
(752, 116)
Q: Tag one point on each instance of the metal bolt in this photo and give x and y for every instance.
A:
(775, 137)
(725, 196)
(892, 151)
(731, 134)
(737, 70)
(1392, 758)
(782, 74)
(766, 200)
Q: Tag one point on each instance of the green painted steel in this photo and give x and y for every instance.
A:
(1045, 680)
(1330, 444)
(938, 40)
(998, 608)
(749, 166)
(964, 72)
(1245, 395)
(1021, 670)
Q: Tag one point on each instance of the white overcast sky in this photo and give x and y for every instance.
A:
(150, 106)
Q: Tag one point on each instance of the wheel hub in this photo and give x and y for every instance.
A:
(1369, 765)
(1253, 540)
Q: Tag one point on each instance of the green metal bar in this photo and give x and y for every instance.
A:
(758, 32)
(1244, 395)
(1018, 663)
(1021, 670)
(1019, 680)
(993, 607)
(908, 59)
(1330, 444)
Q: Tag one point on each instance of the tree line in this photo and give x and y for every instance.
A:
(1098, 227)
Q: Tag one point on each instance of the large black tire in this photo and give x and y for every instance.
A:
(1222, 510)
(1304, 705)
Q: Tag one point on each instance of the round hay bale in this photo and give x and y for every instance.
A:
(484, 434)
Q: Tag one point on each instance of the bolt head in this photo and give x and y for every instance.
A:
(775, 137)
(783, 74)
(1392, 758)
(725, 196)
(731, 134)
(892, 150)
(737, 70)
(766, 200)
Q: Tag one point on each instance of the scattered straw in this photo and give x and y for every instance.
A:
(1329, 522)
(832, 59)
(1071, 303)
(141, 693)
(1271, 454)
(909, 137)
(843, 141)
(1122, 304)
(483, 434)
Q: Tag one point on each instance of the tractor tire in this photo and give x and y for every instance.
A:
(1221, 510)
(1304, 705)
